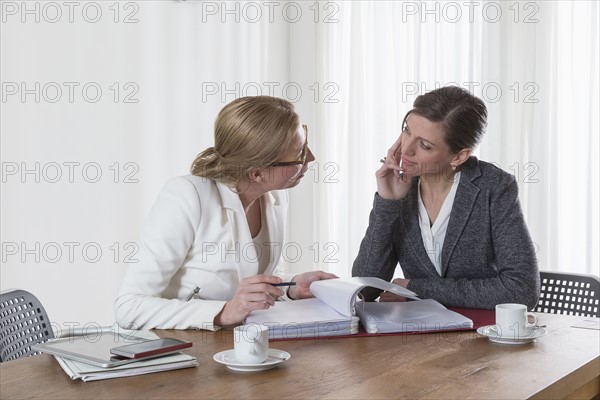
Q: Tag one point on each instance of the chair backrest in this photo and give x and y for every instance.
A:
(23, 323)
(572, 294)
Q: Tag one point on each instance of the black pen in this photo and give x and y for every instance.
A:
(284, 284)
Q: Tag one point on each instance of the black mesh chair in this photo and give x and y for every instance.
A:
(571, 294)
(23, 323)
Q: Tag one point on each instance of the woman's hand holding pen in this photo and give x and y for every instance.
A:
(392, 182)
(301, 290)
(254, 293)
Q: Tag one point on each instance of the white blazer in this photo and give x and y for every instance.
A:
(196, 235)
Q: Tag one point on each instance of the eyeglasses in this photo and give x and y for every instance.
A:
(303, 156)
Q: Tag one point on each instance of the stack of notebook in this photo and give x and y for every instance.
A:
(88, 357)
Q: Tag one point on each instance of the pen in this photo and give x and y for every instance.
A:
(401, 172)
(284, 284)
(193, 293)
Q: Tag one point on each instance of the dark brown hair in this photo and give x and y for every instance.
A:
(462, 115)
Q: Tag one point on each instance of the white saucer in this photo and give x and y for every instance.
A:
(274, 358)
(530, 335)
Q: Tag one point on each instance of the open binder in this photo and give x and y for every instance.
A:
(336, 311)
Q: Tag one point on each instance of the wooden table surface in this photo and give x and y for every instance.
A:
(447, 365)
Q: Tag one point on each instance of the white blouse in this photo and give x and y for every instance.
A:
(434, 235)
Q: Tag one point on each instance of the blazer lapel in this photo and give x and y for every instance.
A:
(464, 201)
(275, 229)
(241, 246)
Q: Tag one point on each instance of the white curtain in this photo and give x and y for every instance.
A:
(535, 64)
(358, 65)
(69, 237)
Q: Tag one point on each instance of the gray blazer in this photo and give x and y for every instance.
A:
(487, 256)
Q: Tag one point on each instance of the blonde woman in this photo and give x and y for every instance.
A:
(213, 239)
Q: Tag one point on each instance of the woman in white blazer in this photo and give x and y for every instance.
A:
(213, 239)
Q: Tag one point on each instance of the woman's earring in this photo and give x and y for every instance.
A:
(453, 167)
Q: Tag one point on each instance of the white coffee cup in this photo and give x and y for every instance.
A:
(512, 321)
(251, 343)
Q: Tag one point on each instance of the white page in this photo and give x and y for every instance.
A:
(588, 323)
(295, 312)
(341, 293)
(83, 368)
(139, 371)
(368, 281)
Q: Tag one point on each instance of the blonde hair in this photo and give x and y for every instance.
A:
(250, 133)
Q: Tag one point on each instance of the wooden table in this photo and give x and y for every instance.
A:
(437, 365)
